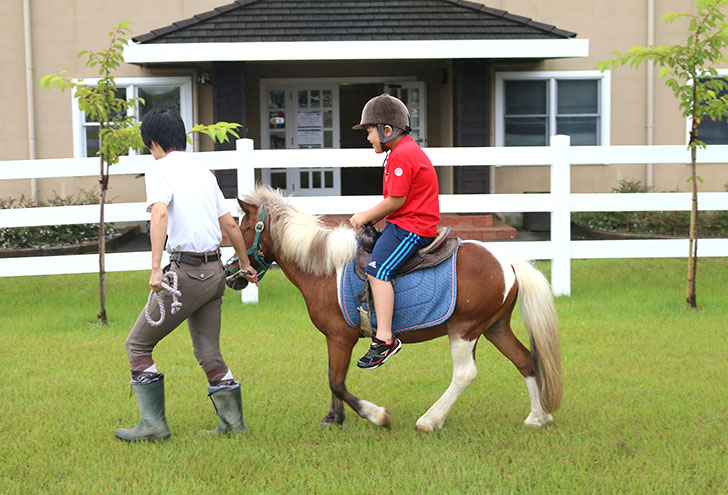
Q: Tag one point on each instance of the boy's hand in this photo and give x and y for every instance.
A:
(358, 220)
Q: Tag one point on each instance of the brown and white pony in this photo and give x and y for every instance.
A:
(310, 255)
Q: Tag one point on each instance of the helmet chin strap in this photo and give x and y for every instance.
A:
(396, 131)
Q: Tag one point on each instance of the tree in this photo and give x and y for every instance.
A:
(689, 71)
(119, 129)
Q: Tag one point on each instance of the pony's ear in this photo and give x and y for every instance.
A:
(244, 206)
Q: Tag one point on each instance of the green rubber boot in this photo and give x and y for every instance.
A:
(229, 407)
(152, 426)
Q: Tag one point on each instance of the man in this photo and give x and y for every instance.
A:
(188, 210)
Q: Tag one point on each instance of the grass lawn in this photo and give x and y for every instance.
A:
(644, 408)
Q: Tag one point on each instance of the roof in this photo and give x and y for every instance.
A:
(249, 21)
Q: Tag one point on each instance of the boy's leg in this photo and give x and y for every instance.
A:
(383, 295)
(392, 249)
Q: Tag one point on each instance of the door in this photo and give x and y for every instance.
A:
(301, 116)
(412, 94)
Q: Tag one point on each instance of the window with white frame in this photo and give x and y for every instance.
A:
(157, 92)
(532, 106)
(712, 131)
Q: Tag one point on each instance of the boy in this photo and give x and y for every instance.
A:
(411, 205)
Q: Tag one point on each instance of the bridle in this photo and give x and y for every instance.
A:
(255, 249)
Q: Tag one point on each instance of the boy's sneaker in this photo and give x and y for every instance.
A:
(378, 353)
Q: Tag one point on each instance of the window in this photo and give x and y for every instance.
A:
(532, 106)
(712, 131)
(158, 92)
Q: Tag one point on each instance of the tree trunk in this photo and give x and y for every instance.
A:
(691, 298)
(103, 182)
(693, 254)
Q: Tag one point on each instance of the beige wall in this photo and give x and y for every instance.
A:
(61, 28)
(615, 26)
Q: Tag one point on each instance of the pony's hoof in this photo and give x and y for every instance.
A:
(331, 420)
(385, 420)
(328, 422)
(424, 426)
(538, 420)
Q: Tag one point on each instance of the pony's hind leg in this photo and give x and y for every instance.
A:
(464, 372)
(502, 337)
(538, 417)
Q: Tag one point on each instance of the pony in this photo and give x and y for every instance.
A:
(310, 254)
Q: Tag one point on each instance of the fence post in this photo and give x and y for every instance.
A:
(561, 216)
(246, 183)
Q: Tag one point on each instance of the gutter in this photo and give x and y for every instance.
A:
(29, 95)
(153, 53)
(650, 137)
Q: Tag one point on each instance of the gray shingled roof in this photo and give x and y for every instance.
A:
(360, 20)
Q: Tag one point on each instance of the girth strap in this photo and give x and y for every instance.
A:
(365, 315)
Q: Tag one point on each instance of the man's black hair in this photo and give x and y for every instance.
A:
(166, 128)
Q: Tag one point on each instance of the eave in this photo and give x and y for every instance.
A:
(154, 53)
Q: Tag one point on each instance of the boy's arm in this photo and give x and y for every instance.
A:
(377, 212)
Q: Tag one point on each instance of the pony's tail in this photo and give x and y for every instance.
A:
(539, 316)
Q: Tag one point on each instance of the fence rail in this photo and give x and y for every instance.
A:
(560, 202)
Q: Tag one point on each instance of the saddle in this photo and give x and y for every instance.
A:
(440, 249)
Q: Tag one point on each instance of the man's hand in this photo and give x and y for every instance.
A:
(155, 279)
(252, 275)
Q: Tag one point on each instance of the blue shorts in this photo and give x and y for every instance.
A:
(392, 249)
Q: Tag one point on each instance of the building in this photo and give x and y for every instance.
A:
(296, 74)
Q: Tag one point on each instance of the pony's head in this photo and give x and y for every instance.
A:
(289, 234)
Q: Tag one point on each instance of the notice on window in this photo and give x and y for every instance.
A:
(310, 138)
(307, 118)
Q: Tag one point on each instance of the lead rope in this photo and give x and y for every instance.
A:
(172, 289)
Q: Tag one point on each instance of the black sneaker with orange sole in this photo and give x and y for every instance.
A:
(378, 353)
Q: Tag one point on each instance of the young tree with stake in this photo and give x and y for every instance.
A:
(689, 71)
(118, 126)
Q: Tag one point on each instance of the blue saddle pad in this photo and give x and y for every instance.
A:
(423, 298)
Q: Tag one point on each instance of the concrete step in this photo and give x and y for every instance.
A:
(456, 220)
(475, 227)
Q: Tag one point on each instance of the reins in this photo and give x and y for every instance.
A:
(172, 289)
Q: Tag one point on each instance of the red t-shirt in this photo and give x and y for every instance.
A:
(410, 173)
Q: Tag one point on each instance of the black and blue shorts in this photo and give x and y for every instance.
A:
(392, 249)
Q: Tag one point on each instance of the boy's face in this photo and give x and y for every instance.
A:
(373, 137)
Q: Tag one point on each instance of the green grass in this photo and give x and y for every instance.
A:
(644, 407)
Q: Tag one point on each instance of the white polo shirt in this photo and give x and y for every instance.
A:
(194, 202)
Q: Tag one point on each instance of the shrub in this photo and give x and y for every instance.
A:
(50, 235)
(667, 223)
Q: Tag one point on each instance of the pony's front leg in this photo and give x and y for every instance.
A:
(463, 373)
(339, 358)
(336, 414)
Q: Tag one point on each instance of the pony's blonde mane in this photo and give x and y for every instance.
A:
(302, 238)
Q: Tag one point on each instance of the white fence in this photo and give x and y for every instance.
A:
(559, 202)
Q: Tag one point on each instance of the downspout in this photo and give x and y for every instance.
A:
(650, 90)
(30, 106)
